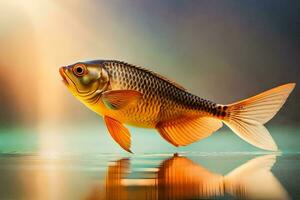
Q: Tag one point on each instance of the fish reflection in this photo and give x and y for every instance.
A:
(115, 175)
(180, 178)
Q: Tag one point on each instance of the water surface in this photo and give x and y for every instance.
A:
(77, 166)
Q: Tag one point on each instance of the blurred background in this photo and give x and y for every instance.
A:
(53, 147)
(220, 50)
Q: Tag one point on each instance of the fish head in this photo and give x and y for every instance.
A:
(85, 79)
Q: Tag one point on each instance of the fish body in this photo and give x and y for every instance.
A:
(162, 99)
(126, 94)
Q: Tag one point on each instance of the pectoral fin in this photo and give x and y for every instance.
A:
(117, 99)
(119, 133)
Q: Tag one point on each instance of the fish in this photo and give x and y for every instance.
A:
(125, 94)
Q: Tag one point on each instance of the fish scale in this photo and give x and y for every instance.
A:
(161, 99)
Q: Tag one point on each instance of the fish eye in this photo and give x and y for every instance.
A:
(79, 70)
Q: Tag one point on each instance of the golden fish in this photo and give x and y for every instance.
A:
(127, 94)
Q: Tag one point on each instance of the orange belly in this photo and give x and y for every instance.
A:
(142, 114)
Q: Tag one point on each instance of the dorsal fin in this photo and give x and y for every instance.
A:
(150, 72)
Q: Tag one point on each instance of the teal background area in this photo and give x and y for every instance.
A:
(96, 140)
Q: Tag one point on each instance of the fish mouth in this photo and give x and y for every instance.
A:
(63, 75)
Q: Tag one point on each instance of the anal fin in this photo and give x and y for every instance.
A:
(184, 130)
(119, 133)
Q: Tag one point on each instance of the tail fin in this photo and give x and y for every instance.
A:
(246, 117)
